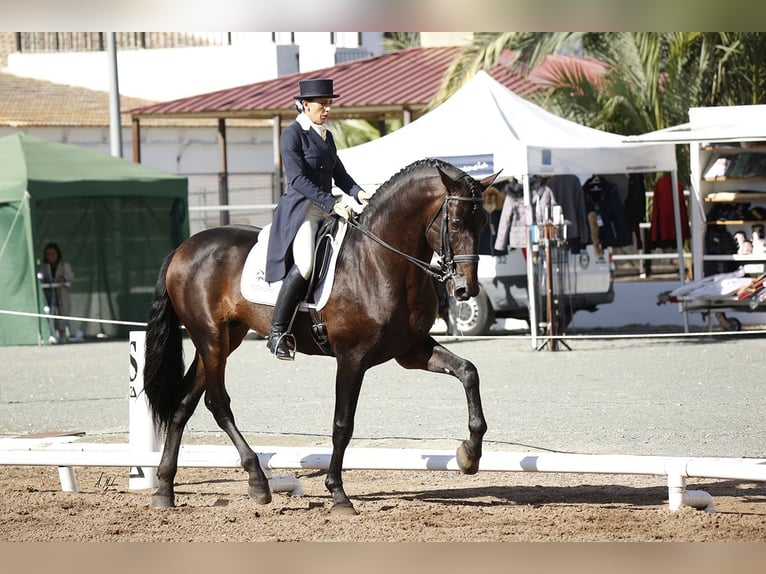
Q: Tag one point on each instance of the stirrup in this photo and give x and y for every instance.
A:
(286, 353)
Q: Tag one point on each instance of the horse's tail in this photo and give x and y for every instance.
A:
(163, 363)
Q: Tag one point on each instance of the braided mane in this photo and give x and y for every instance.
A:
(384, 190)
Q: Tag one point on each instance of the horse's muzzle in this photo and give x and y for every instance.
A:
(462, 290)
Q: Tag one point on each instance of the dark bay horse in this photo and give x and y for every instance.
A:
(383, 305)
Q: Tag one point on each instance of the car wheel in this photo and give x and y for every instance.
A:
(472, 317)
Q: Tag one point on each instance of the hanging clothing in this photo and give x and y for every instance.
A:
(635, 206)
(568, 193)
(663, 233)
(488, 235)
(603, 198)
(511, 225)
(512, 228)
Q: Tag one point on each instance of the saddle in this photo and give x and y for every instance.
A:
(256, 289)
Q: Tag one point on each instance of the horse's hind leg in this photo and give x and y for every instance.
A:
(218, 402)
(193, 384)
(431, 356)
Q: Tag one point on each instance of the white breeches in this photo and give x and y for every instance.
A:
(303, 244)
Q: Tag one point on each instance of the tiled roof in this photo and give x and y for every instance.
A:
(370, 87)
(27, 102)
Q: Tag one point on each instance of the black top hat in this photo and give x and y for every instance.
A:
(320, 88)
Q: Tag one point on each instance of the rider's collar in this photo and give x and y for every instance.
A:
(306, 123)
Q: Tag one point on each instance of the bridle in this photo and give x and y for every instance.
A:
(448, 260)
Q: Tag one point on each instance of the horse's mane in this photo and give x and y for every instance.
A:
(384, 190)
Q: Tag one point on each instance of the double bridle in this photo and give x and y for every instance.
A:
(448, 267)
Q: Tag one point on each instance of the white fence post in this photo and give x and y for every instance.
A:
(143, 436)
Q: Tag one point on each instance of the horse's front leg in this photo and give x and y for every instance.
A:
(348, 383)
(431, 356)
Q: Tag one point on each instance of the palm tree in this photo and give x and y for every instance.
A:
(348, 133)
(396, 41)
(651, 79)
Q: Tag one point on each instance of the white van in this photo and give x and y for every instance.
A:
(582, 281)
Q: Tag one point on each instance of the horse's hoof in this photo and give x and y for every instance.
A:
(466, 464)
(259, 495)
(346, 509)
(163, 501)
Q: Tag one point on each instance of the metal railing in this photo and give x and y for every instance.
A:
(29, 42)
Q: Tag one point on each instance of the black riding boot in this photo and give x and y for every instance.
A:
(291, 293)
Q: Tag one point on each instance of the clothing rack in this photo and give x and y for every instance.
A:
(553, 247)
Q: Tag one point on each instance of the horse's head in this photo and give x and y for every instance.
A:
(462, 219)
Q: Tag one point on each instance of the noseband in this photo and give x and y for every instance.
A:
(448, 260)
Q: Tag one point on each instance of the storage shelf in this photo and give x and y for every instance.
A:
(755, 258)
(735, 149)
(736, 222)
(735, 196)
(729, 178)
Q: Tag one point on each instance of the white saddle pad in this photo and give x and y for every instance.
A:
(255, 288)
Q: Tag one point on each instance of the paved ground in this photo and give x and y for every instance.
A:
(661, 396)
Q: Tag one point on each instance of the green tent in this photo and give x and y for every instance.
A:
(114, 220)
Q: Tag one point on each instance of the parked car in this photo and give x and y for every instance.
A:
(581, 281)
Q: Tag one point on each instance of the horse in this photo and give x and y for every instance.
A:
(382, 306)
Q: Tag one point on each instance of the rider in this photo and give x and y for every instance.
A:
(311, 163)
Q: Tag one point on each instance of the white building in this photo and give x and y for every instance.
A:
(165, 66)
(63, 95)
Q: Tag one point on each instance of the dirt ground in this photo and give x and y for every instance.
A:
(577, 402)
(394, 506)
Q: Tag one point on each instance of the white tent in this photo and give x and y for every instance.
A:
(485, 127)
(719, 124)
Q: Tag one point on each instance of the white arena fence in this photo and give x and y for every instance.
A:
(141, 456)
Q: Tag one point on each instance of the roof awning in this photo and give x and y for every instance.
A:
(714, 124)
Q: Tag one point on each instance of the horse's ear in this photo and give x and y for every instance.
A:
(448, 182)
(489, 180)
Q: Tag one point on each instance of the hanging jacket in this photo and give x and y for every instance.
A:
(602, 197)
(663, 233)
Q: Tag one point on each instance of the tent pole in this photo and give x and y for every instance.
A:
(679, 236)
(531, 294)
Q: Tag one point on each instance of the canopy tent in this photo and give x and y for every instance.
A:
(485, 127)
(719, 124)
(487, 122)
(114, 220)
(713, 124)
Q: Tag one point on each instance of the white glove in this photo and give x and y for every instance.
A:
(364, 197)
(343, 210)
(347, 200)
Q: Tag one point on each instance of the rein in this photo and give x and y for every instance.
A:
(448, 259)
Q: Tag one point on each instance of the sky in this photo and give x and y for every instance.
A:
(382, 15)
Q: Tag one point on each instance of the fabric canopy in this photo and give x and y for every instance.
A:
(733, 125)
(486, 127)
(113, 219)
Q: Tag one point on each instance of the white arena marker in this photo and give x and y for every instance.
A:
(143, 434)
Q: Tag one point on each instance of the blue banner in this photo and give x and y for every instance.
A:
(473, 165)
